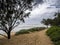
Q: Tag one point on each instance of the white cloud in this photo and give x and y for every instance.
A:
(38, 10)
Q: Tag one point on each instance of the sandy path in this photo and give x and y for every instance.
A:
(36, 38)
(43, 38)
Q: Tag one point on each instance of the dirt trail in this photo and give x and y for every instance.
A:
(43, 38)
(36, 38)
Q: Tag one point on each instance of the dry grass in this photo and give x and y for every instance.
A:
(36, 38)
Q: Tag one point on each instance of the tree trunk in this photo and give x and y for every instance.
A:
(9, 36)
(47, 26)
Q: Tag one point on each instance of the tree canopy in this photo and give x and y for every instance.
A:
(52, 22)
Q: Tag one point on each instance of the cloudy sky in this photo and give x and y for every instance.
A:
(43, 9)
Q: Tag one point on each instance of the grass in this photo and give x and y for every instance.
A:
(54, 34)
(25, 31)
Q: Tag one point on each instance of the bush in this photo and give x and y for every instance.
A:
(22, 32)
(54, 33)
(25, 31)
(55, 36)
(53, 29)
(36, 29)
(57, 43)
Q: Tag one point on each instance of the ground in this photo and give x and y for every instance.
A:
(35, 38)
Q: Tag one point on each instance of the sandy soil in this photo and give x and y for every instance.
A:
(36, 38)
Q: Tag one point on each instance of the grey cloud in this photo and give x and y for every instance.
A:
(55, 3)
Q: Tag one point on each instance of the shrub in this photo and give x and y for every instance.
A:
(57, 43)
(55, 36)
(22, 32)
(25, 31)
(54, 33)
(36, 29)
(53, 29)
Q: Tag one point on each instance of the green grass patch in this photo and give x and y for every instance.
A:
(54, 34)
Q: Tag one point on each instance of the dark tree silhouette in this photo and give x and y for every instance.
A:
(52, 22)
(57, 19)
(45, 22)
(12, 11)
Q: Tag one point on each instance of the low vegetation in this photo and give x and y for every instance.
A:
(25, 31)
(54, 34)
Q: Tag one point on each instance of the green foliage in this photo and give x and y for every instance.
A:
(36, 29)
(22, 32)
(57, 43)
(45, 22)
(52, 29)
(25, 31)
(54, 33)
(53, 22)
(12, 12)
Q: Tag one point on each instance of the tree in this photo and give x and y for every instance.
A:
(11, 12)
(52, 22)
(57, 19)
(45, 22)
